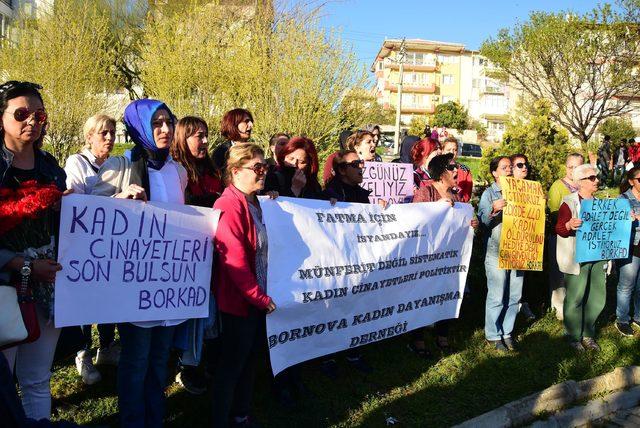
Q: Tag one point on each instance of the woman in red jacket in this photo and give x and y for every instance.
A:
(240, 282)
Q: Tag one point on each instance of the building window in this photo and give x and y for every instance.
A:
(379, 65)
(474, 83)
(447, 79)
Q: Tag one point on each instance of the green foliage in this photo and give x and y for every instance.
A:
(451, 115)
(618, 128)
(63, 50)
(480, 129)
(583, 64)
(418, 123)
(359, 108)
(287, 71)
(534, 134)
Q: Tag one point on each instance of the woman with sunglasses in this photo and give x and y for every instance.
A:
(296, 175)
(443, 171)
(28, 255)
(421, 154)
(628, 289)
(82, 170)
(504, 286)
(239, 284)
(520, 165)
(146, 172)
(585, 282)
(345, 187)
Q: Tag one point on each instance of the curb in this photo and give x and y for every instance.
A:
(557, 397)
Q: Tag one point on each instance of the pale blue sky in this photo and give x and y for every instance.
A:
(365, 23)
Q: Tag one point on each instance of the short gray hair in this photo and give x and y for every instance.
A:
(579, 171)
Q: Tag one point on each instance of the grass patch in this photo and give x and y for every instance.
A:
(473, 164)
(441, 392)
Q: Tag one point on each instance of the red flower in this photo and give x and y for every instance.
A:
(27, 201)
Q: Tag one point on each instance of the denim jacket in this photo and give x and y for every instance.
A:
(47, 169)
(491, 224)
(635, 206)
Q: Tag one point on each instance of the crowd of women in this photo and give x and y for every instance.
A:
(170, 162)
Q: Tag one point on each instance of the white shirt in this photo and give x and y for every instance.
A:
(81, 175)
(166, 185)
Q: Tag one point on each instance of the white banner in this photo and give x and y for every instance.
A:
(353, 274)
(125, 261)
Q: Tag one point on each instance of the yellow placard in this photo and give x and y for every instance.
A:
(523, 217)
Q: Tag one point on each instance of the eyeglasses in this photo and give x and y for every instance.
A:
(590, 178)
(522, 165)
(21, 114)
(451, 167)
(259, 168)
(355, 164)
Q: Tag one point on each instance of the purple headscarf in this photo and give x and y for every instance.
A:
(137, 119)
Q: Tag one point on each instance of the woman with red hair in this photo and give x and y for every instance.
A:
(421, 154)
(297, 171)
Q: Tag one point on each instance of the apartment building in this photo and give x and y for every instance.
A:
(9, 9)
(436, 73)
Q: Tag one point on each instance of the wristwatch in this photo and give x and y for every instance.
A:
(25, 270)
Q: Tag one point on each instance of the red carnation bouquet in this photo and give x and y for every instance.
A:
(25, 214)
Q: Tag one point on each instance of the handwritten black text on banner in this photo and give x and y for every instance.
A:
(391, 182)
(353, 274)
(125, 260)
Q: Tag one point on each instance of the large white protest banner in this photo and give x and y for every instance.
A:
(353, 274)
(125, 261)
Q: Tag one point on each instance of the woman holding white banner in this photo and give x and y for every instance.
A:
(504, 286)
(585, 282)
(82, 171)
(147, 172)
(345, 187)
(240, 282)
(443, 170)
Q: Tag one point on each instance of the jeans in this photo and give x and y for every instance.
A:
(142, 374)
(628, 290)
(556, 278)
(106, 333)
(504, 289)
(240, 340)
(586, 296)
(32, 362)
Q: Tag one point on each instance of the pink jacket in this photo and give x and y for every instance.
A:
(234, 282)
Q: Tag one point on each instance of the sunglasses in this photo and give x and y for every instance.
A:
(522, 165)
(106, 132)
(21, 114)
(590, 178)
(259, 168)
(355, 164)
(451, 167)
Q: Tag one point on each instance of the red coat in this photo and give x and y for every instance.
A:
(465, 183)
(234, 282)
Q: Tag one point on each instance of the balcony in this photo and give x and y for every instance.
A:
(417, 87)
(417, 109)
(492, 89)
(428, 66)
